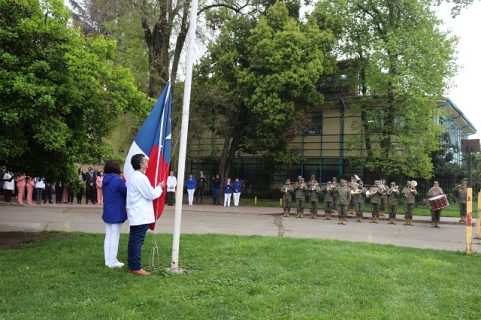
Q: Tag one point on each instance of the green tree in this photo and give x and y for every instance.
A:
(401, 62)
(261, 77)
(60, 92)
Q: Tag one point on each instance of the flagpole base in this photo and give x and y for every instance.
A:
(175, 270)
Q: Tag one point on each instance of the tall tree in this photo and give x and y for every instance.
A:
(401, 62)
(262, 78)
(61, 92)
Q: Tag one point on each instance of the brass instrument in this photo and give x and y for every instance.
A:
(413, 185)
(393, 189)
(372, 191)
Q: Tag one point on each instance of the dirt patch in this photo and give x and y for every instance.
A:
(16, 239)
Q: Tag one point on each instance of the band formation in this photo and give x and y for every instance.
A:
(343, 197)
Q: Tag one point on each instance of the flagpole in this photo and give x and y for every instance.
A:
(189, 61)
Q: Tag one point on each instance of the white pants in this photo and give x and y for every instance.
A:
(236, 199)
(190, 192)
(227, 197)
(111, 243)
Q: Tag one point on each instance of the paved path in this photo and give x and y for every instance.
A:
(243, 221)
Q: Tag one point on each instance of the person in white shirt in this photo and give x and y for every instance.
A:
(171, 185)
(8, 185)
(39, 189)
(140, 211)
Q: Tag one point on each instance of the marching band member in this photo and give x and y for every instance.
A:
(392, 198)
(300, 188)
(409, 193)
(359, 196)
(375, 195)
(328, 199)
(335, 196)
(287, 190)
(461, 193)
(344, 193)
(435, 214)
(382, 207)
(353, 186)
(313, 193)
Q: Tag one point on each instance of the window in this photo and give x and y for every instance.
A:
(315, 125)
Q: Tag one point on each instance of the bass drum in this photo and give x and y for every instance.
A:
(438, 202)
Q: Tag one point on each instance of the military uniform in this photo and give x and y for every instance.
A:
(287, 190)
(409, 197)
(328, 200)
(300, 188)
(313, 192)
(335, 195)
(461, 194)
(376, 194)
(392, 200)
(344, 194)
(353, 186)
(435, 214)
(359, 199)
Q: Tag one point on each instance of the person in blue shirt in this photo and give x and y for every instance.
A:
(228, 189)
(191, 184)
(114, 211)
(237, 186)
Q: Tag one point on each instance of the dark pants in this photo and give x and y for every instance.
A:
(462, 209)
(435, 215)
(215, 196)
(89, 193)
(8, 195)
(38, 193)
(328, 206)
(392, 211)
(79, 196)
(359, 209)
(375, 210)
(408, 211)
(58, 194)
(47, 194)
(136, 241)
(170, 198)
(199, 195)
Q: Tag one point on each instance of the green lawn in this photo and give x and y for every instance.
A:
(232, 277)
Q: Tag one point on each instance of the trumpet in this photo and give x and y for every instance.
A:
(393, 189)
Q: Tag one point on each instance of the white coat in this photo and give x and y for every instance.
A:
(140, 194)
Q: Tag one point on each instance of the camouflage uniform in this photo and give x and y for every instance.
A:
(435, 214)
(461, 194)
(300, 188)
(287, 190)
(353, 186)
(335, 195)
(313, 191)
(376, 202)
(392, 199)
(344, 193)
(409, 197)
(358, 199)
(328, 200)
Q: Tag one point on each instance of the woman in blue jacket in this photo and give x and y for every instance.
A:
(114, 211)
(191, 183)
(237, 186)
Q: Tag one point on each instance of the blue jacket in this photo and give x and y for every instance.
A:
(115, 195)
(228, 188)
(191, 184)
(237, 185)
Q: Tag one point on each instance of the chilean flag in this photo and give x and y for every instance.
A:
(154, 140)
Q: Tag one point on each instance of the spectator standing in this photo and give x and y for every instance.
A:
(114, 211)
(30, 185)
(201, 182)
(171, 185)
(237, 186)
(21, 183)
(81, 177)
(89, 186)
(216, 190)
(228, 189)
(191, 184)
(8, 185)
(100, 177)
(47, 194)
(59, 186)
(39, 189)
(140, 211)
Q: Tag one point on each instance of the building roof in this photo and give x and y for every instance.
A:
(456, 115)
